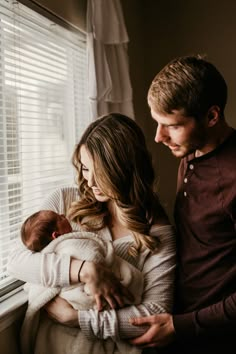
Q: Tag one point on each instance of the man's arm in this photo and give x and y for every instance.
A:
(214, 319)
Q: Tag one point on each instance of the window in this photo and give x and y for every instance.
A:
(43, 111)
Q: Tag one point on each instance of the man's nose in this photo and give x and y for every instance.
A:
(161, 134)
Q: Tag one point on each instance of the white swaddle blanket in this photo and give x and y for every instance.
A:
(86, 246)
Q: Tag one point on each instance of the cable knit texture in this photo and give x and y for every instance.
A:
(157, 268)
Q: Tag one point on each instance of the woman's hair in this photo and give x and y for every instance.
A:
(124, 173)
(189, 83)
(37, 229)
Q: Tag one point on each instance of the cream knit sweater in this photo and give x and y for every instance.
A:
(53, 270)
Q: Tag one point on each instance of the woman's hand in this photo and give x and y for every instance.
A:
(103, 285)
(61, 311)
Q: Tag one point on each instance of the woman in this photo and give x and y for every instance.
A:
(116, 199)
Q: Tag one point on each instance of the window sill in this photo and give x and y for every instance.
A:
(12, 308)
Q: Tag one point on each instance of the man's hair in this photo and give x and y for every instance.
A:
(189, 83)
(36, 231)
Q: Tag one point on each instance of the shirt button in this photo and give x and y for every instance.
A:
(185, 194)
(185, 180)
(191, 167)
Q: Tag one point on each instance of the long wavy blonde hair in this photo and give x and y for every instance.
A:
(124, 173)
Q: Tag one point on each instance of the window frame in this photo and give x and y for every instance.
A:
(71, 138)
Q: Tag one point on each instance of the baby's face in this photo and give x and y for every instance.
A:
(63, 225)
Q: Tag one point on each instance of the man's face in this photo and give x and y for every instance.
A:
(181, 134)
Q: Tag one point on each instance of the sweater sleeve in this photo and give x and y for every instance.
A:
(45, 269)
(158, 271)
(38, 268)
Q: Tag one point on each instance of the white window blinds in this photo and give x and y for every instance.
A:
(43, 111)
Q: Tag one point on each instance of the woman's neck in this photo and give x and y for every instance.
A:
(115, 225)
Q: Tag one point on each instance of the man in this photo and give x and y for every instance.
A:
(187, 99)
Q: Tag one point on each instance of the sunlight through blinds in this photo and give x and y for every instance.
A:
(43, 111)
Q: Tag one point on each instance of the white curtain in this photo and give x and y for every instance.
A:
(109, 84)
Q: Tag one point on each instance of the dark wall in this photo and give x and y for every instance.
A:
(161, 30)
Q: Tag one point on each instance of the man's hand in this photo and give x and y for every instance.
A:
(160, 333)
(61, 311)
(103, 285)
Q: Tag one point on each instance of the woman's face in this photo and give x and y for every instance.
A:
(89, 174)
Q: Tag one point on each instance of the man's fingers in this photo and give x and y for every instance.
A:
(139, 321)
(142, 340)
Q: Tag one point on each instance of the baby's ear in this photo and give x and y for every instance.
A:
(55, 234)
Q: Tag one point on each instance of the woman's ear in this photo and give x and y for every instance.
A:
(213, 115)
(55, 234)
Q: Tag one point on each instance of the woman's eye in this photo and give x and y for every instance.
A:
(84, 169)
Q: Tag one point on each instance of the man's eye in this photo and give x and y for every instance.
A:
(174, 127)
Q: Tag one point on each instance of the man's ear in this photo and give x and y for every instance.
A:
(55, 234)
(213, 116)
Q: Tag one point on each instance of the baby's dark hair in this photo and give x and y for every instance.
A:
(36, 231)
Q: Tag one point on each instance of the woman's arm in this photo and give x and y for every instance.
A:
(50, 270)
(47, 269)
(158, 274)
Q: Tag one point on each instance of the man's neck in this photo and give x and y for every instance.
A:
(221, 133)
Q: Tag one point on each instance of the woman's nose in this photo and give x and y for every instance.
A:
(91, 180)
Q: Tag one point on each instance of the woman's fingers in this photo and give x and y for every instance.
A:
(111, 302)
(113, 299)
(98, 301)
(119, 300)
(127, 294)
(104, 285)
(118, 296)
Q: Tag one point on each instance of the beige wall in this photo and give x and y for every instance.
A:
(162, 30)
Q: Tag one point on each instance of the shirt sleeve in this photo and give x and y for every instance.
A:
(158, 271)
(216, 318)
(51, 269)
